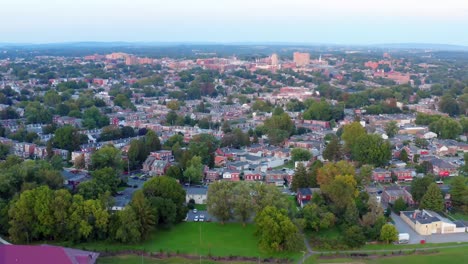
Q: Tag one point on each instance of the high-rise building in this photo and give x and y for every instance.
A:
(274, 59)
(301, 59)
(131, 60)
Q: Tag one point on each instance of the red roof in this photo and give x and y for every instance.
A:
(44, 254)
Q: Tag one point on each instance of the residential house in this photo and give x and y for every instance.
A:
(381, 175)
(163, 155)
(276, 177)
(403, 174)
(392, 193)
(252, 176)
(304, 195)
(212, 175)
(198, 194)
(231, 175)
(443, 168)
(155, 167)
(220, 161)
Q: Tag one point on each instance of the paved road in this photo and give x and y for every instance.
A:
(403, 227)
(191, 216)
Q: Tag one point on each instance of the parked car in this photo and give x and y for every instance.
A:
(195, 211)
(196, 218)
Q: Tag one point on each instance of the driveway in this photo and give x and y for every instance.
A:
(403, 227)
(208, 217)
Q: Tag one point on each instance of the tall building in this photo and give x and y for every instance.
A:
(301, 59)
(274, 59)
(131, 60)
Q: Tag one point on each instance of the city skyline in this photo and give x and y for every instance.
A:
(361, 22)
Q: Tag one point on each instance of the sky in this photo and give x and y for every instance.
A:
(227, 21)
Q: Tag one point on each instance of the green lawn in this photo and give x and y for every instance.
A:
(128, 259)
(448, 256)
(459, 216)
(197, 238)
(200, 207)
(407, 246)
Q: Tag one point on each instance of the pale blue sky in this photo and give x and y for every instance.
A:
(308, 21)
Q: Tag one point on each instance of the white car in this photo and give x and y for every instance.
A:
(196, 218)
(195, 211)
(202, 216)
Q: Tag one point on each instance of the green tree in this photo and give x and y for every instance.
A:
(67, 137)
(459, 192)
(404, 155)
(341, 191)
(421, 143)
(433, 199)
(107, 178)
(219, 202)
(301, 178)
(354, 237)
(446, 128)
(333, 151)
(194, 171)
(389, 233)
(107, 156)
(167, 188)
(144, 214)
(93, 118)
(268, 195)
(449, 105)
(371, 149)
(61, 201)
(419, 187)
(364, 176)
(204, 146)
(326, 173)
(463, 170)
(399, 205)
(128, 230)
(174, 172)
(351, 133)
(276, 231)
(300, 154)
(391, 129)
(242, 204)
(22, 219)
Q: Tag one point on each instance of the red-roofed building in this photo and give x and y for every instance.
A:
(45, 254)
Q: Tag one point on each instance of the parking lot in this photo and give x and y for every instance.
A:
(416, 238)
(197, 217)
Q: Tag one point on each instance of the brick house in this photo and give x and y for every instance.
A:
(212, 175)
(381, 175)
(253, 176)
(391, 194)
(403, 174)
(231, 175)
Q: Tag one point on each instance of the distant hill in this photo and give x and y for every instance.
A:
(424, 46)
(98, 44)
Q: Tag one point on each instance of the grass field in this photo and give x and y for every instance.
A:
(448, 256)
(200, 207)
(138, 260)
(198, 239)
(459, 216)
